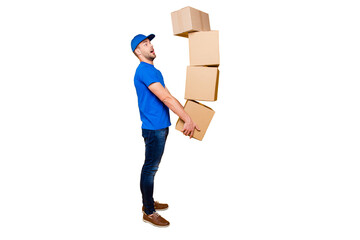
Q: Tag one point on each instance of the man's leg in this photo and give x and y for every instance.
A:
(154, 149)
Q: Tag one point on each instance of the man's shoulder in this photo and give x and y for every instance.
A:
(147, 69)
(144, 65)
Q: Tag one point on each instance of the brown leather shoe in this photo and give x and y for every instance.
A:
(158, 206)
(155, 219)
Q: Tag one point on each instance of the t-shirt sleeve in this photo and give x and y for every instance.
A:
(149, 76)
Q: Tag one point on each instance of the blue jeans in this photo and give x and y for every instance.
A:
(154, 149)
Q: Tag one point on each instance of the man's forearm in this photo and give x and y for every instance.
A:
(174, 105)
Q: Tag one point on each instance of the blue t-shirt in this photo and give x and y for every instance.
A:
(154, 114)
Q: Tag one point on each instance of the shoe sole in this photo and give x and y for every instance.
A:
(159, 226)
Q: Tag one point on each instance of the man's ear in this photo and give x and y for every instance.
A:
(137, 51)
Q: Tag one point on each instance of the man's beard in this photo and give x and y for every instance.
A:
(149, 57)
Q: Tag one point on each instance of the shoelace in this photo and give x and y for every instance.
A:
(154, 214)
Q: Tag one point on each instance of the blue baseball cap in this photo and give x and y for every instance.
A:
(138, 39)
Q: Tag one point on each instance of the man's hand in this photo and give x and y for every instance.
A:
(189, 128)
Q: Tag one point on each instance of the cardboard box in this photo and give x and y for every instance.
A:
(204, 48)
(189, 19)
(200, 114)
(202, 83)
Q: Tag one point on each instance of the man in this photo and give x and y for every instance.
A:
(154, 101)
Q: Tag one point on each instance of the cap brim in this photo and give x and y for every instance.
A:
(151, 37)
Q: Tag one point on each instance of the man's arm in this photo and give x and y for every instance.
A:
(171, 102)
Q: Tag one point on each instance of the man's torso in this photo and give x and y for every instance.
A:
(153, 113)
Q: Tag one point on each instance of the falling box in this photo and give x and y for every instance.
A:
(204, 48)
(202, 83)
(189, 19)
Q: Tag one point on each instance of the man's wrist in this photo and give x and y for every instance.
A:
(187, 119)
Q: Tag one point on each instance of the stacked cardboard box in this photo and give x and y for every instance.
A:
(202, 76)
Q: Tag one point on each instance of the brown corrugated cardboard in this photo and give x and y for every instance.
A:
(189, 19)
(204, 48)
(202, 83)
(200, 114)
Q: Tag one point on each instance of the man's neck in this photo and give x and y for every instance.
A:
(147, 61)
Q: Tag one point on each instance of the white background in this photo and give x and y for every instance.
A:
(280, 159)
